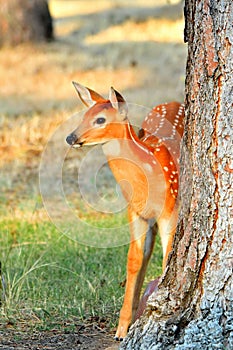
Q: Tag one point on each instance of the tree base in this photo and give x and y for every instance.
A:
(212, 330)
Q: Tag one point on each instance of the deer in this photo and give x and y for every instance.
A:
(146, 166)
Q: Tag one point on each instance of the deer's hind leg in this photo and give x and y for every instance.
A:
(167, 229)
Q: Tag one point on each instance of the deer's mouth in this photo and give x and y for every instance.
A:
(77, 142)
(77, 145)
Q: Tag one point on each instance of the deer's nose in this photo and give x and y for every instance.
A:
(71, 139)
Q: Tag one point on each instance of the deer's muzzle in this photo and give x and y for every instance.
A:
(72, 139)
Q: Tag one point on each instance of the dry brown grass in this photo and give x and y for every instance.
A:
(25, 138)
(66, 8)
(36, 94)
(157, 30)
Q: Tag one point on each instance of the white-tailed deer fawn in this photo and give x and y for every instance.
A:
(146, 167)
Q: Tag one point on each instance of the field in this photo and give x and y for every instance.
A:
(63, 248)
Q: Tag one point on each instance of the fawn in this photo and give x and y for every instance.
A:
(146, 167)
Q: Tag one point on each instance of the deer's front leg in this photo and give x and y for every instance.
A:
(141, 246)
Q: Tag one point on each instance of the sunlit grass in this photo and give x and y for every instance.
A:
(25, 138)
(96, 55)
(64, 8)
(158, 30)
(70, 8)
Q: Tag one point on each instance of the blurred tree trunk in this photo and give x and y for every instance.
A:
(25, 20)
(193, 308)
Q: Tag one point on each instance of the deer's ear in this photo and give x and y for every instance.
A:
(87, 96)
(118, 103)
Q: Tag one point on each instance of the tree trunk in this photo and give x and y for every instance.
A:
(24, 20)
(193, 307)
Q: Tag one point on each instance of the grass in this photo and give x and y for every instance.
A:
(50, 281)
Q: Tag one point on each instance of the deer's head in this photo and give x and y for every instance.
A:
(103, 121)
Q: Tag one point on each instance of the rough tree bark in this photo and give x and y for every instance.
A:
(25, 20)
(193, 308)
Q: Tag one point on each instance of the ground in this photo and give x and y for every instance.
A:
(136, 48)
(85, 337)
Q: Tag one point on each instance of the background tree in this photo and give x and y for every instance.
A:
(193, 308)
(25, 20)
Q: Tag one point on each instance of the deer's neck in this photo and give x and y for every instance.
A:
(127, 155)
(134, 168)
(127, 145)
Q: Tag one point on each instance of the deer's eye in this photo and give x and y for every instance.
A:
(100, 120)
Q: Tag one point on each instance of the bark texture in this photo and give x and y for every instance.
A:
(25, 20)
(193, 307)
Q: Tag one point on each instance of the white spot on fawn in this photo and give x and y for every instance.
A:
(112, 148)
(147, 167)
